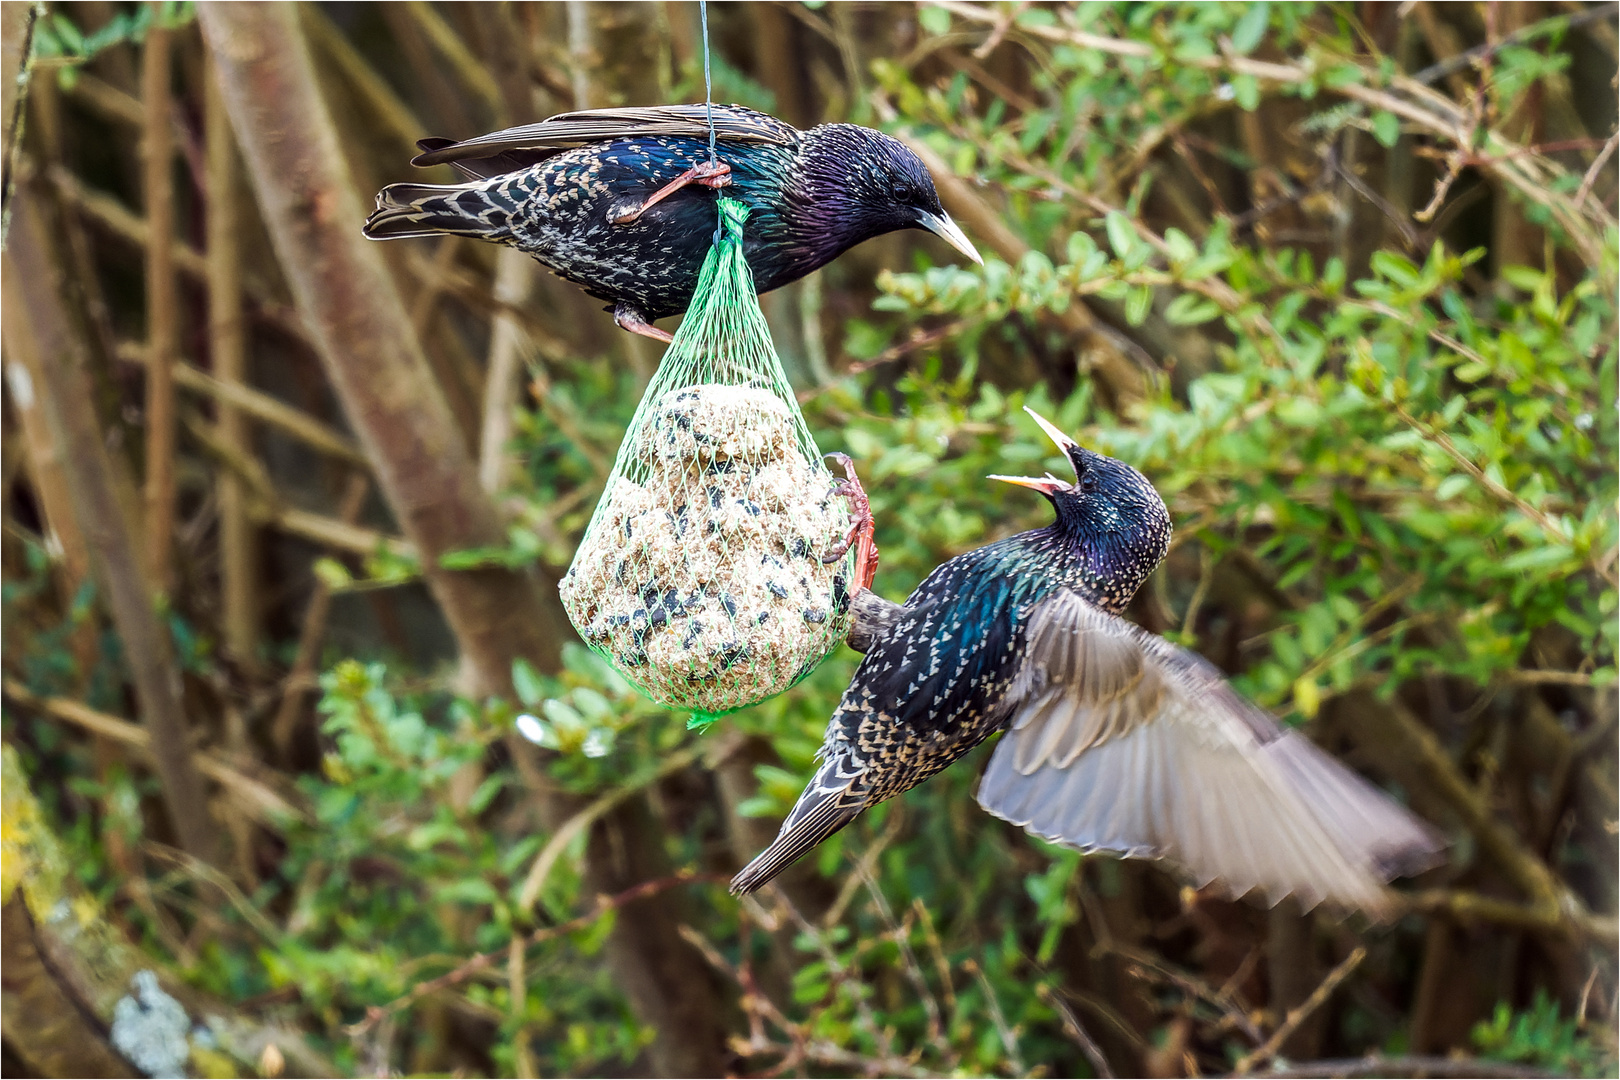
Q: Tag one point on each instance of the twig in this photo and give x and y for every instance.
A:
(268, 505)
(106, 211)
(803, 1048)
(162, 303)
(902, 940)
(1009, 1038)
(200, 870)
(840, 973)
(863, 866)
(514, 279)
(1596, 167)
(473, 965)
(540, 869)
(1468, 907)
(1403, 96)
(1553, 530)
(1071, 1023)
(259, 405)
(941, 966)
(300, 675)
(258, 799)
(1299, 1015)
(472, 71)
(1415, 1065)
(1435, 72)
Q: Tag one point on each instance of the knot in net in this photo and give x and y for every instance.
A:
(701, 575)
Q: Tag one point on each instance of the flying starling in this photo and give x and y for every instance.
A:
(1115, 740)
(611, 199)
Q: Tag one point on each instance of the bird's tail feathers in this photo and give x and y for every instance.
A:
(833, 799)
(480, 209)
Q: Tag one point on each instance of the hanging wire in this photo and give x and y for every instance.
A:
(708, 99)
(708, 91)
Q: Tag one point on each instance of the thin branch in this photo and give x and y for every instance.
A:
(261, 406)
(376, 1014)
(540, 869)
(902, 940)
(300, 677)
(259, 800)
(1009, 1038)
(1462, 1068)
(228, 346)
(162, 303)
(1077, 1032)
(105, 210)
(1303, 1012)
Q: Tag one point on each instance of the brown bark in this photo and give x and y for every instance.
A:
(162, 306)
(377, 365)
(362, 334)
(228, 341)
(35, 281)
(665, 978)
(53, 1032)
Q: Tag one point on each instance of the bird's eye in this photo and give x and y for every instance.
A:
(902, 191)
(1088, 482)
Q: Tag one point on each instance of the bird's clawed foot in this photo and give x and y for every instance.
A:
(711, 174)
(632, 320)
(862, 532)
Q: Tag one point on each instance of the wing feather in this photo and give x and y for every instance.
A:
(530, 143)
(1121, 742)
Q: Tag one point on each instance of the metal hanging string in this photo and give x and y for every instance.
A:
(708, 98)
(708, 91)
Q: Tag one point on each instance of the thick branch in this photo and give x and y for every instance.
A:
(35, 282)
(362, 334)
(162, 305)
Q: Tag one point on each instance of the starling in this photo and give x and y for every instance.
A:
(608, 198)
(1115, 740)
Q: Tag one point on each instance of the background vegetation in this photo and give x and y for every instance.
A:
(284, 513)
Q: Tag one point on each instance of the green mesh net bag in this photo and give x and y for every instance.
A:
(701, 575)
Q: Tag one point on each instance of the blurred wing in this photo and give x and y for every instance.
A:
(520, 147)
(1121, 742)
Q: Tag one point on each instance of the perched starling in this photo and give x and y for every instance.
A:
(1116, 740)
(605, 198)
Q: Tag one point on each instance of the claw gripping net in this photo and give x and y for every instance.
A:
(701, 575)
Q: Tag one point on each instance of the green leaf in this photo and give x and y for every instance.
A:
(1250, 29)
(1386, 128)
(935, 20)
(1190, 309)
(1121, 237)
(526, 681)
(1246, 92)
(1138, 304)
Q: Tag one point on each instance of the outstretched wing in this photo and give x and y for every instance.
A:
(519, 147)
(1121, 742)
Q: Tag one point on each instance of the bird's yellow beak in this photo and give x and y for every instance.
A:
(942, 226)
(1047, 484)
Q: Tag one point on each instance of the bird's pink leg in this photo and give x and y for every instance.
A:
(715, 174)
(862, 532)
(630, 319)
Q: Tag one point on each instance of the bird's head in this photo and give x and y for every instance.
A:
(1111, 511)
(860, 183)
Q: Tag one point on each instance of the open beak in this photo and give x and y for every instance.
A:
(1048, 484)
(941, 225)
